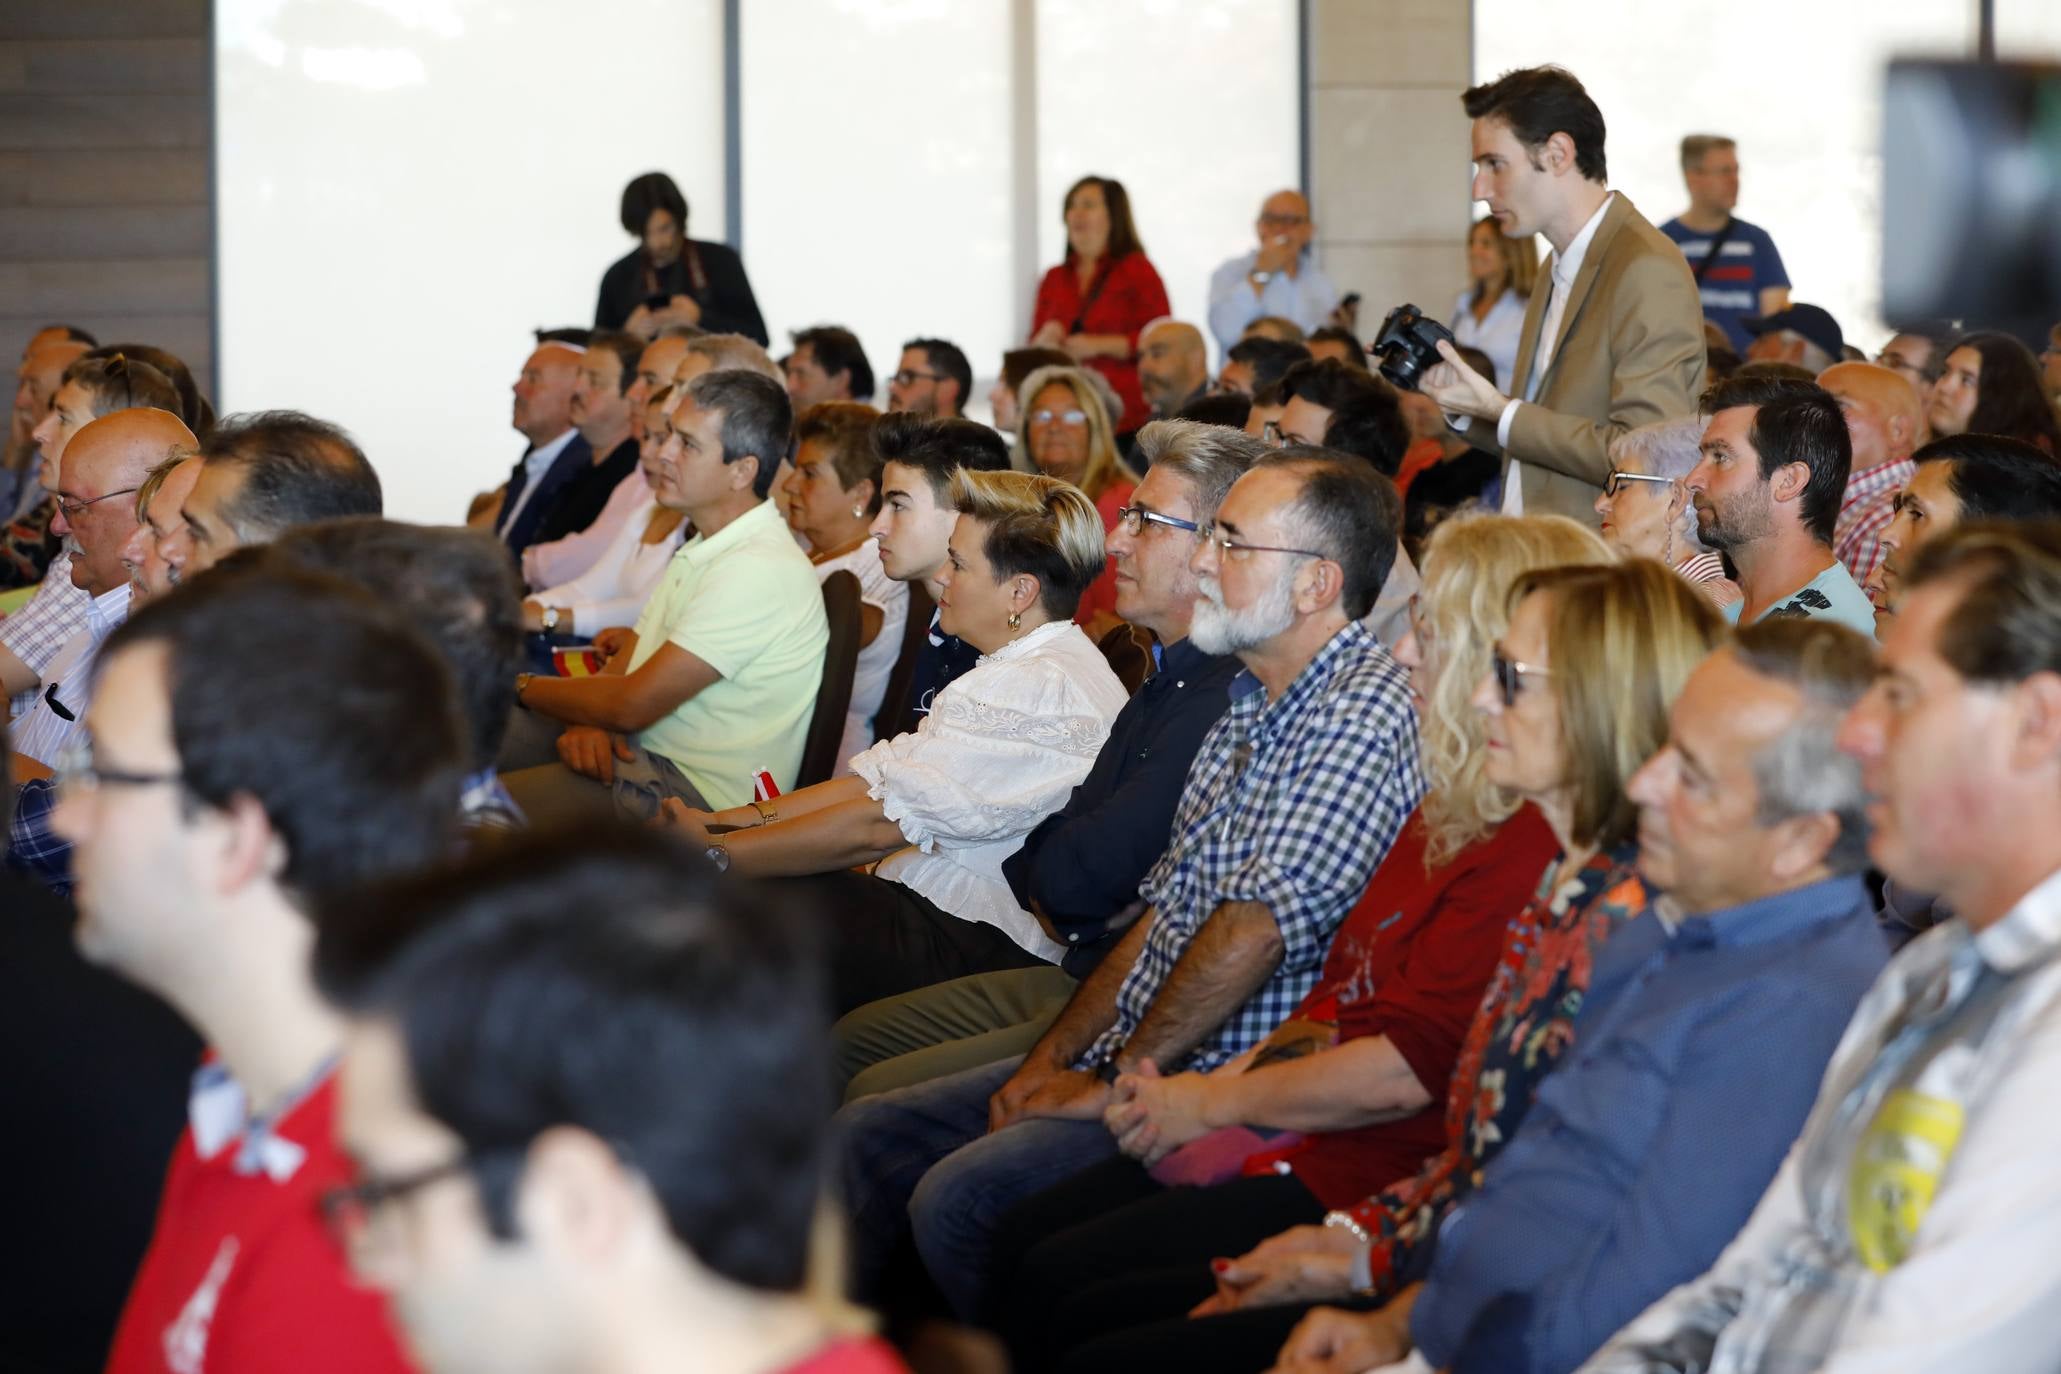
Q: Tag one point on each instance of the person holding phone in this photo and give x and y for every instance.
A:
(670, 279)
(1276, 278)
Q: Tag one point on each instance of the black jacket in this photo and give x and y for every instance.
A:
(710, 273)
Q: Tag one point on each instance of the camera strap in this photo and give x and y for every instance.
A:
(1095, 285)
(1717, 246)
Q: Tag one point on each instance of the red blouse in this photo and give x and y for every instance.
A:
(1132, 296)
(1101, 593)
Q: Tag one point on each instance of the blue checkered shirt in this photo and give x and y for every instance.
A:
(38, 630)
(33, 846)
(1291, 804)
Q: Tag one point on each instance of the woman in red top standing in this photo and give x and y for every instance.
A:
(1094, 303)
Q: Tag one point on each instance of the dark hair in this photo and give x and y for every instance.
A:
(846, 429)
(193, 408)
(1371, 426)
(1268, 358)
(1995, 478)
(1329, 383)
(627, 347)
(938, 448)
(758, 419)
(72, 334)
(1476, 359)
(2007, 624)
(836, 350)
(1766, 369)
(2010, 398)
(1720, 364)
(1939, 336)
(1538, 102)
(570, 981)
(1355, 354)
(456, 586)
(574, 334)
(948, 358)
(296, 470)
(1794, 422)
(1123, 230)
(119, 382)
(306, 694)
(1222, 408)
(1019, 363)
(1349, 513)
(652, 191)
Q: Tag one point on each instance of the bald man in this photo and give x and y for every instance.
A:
(1886, 419)
(542, 414)
(104, 465)
(1173, 366)
(1276, 278)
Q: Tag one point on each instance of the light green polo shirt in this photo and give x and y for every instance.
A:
(1831, 595)
(746, 602)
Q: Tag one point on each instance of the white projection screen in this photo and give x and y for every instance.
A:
(405, 188)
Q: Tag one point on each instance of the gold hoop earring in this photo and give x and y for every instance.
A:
(1015, 620)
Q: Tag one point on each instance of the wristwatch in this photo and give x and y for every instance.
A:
(550, 619)
(720, 857)
(1262, 278)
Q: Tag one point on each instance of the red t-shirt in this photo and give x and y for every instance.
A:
(868, 1355)
(1410, 962)
(242, 1276)
(1101, 593)
(1132, 296)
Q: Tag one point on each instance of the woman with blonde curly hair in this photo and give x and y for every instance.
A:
(939, 808)
(1065, 431)
(1362, 1064)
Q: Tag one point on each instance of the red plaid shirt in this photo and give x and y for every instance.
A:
(1866, 511)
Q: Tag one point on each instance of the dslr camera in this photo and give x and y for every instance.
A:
(1407, 345)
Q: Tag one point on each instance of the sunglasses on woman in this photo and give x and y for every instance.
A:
(1510, 674)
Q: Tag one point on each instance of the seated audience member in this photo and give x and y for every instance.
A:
(481, 1153)
(1280, 277)
(1551, 738)
(1767, 489)
(914, 528)
(725, 353)
(936, 812)
(457, 589)
(1752, 822)
(1263, 421)
(105, 462)
(193, 408)
(1804, 336)
(1919, 354)
(1078, 871)
(1990, 384)
(542, 414)
(43, 365)
(1721, 364)
(1254, 363)
(1645, 508)
(719, 677)
(827, 364)
(932, 379)
(1502, 272)
(1335, 341)
(1225, 408)
(836, 499)
(229, 789)
(670, 279)
(1363, 1063)
(1444, 490)
(1173, 366)
(30, 637)
(1433, 440)
(1066, 432)
(261, 474)
(1912, 1223)
(1883, 415)
(1957, 481)
(1295, 796)
(601, 412)
(1004, 398)
(1275, 327)
(611, 593)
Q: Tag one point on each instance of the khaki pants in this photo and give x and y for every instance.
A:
(554, 796)
(947, 1027)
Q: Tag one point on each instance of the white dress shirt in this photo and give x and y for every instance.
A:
(1566, 267)
(612, 593)
(563, 560)
(43, 733)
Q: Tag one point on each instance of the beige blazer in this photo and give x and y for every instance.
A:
(1631, 351)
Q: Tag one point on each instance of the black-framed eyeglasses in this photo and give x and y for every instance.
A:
(1510, 674)
(72, 505)
(78, 774)
(349, 1211)
(909, 375)
(1135, 518)
(1209, 534)
(1614, 483)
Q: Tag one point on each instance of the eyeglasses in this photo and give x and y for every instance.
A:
(1208, 534)
(1510, 674)
(78, 774)
(1614, 483)
(1270, 431)
(72, 505)
(1135, 518)
(350, 1212)
(907, 377)
(1065, 417)
(1284, 221)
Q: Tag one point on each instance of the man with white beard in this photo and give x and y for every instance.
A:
(1292, 801)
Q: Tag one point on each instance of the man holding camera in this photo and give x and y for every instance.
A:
(1614, 337)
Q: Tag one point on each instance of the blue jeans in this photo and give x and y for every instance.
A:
(922, 1156)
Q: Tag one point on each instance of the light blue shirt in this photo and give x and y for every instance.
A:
(1831, 595)
(1308, 297)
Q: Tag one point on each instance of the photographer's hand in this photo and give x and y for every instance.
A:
(1460, 390)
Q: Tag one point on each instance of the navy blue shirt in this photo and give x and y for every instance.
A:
(1747, 262)
(942, 658)
(1648, 1147)
(1084, 862)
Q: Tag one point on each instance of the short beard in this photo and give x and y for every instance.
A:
(1217, 629)
(1745, 519)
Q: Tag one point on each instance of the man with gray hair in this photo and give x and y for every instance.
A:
(1079, 870)
(1738, 269)
(1753, 823)
(262, 474)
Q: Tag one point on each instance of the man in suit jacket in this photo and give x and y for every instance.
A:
(1613, 336)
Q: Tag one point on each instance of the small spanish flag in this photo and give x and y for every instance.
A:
(763, 788)
(576, 662)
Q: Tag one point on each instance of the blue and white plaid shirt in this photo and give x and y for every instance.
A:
(1291, 804)
(38, 630)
